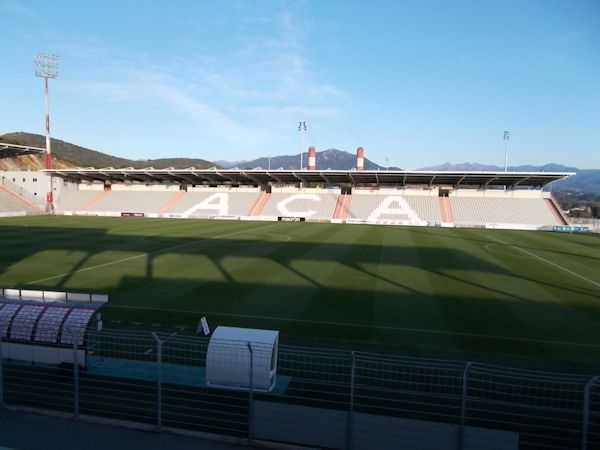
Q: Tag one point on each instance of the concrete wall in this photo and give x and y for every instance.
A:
(305, 425)
(34, 183)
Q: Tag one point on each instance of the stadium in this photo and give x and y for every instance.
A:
(415, 303)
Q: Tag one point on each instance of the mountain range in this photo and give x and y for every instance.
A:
(70, 155)
(326, 159)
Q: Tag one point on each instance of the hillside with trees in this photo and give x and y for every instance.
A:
(66, 154)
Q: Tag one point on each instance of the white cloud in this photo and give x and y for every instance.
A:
(235, 97)
(155, 89)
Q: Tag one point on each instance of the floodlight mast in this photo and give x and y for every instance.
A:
(506, 137)
(46, 66)
(302, 130)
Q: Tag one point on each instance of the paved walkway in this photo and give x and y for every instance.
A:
(28, 431)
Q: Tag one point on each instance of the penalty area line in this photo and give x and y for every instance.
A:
(358, 325)
(156, 252)
(547, 261)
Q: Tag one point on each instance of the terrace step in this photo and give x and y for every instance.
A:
(556, 211)
(87, 204)
(338, 207)
(445, 209)
(260, 203)
(346, 206)
(172, 202)
(14, 199)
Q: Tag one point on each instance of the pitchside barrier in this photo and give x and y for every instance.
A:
(422, 223)
(512, 226)
(569, 228)
(52, 296)
(90, 214)
(327, 398)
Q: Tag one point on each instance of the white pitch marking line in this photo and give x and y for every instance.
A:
(143, 255)
(358, 325)
(558, 266)
(497, 248)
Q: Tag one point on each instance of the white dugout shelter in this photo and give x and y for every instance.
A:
(242, 358)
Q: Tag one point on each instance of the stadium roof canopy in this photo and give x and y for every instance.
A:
(11, 150)
(259, 176)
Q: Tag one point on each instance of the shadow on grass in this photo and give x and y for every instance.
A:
(457, 310)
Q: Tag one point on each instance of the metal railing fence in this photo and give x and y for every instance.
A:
(159, 379)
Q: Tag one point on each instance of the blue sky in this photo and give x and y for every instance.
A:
(415, 83)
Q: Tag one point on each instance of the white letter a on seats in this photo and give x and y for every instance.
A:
(394, 207)
(217, 204)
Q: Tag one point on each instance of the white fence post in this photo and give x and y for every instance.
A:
(251, 391)
(75, 336)
(1, 365)
(159, 344)
(587, 393)
(351, 405)
(463, 406)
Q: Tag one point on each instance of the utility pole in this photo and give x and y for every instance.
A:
(506, 137)
(46, 66)
(302, 130)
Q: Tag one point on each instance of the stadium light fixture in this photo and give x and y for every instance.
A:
(46, 66)
(506, 138)
(302, 130)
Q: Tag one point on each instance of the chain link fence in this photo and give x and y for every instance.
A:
(346, 399)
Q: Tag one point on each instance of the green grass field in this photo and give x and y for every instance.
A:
(466, 293)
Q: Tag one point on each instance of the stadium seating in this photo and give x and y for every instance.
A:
(11, 203)
(132, 201)
(388, 205)
(114, 201)
(466, 207)
(491, 210)
(170, 203)
(315, 204)
(212, 203)
(74, 200)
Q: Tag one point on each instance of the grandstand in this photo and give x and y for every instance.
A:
(461, 199)
(514, 200)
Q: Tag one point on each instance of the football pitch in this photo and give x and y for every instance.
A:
(444, 292)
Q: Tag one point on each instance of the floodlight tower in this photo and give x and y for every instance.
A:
(506, 137)
(302, 130)
(46, 66)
